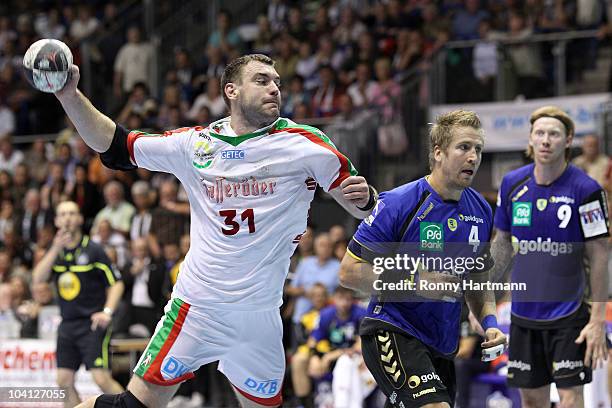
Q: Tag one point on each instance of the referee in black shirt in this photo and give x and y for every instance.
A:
(89, 290)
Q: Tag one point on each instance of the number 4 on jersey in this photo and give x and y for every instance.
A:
(473, 238)
(229, 215)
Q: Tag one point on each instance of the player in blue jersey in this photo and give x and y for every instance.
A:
(409, 343)
(549, 216)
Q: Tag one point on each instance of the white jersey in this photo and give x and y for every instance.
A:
(249, 198)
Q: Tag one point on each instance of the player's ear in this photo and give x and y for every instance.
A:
(231, 90)
(437, 153)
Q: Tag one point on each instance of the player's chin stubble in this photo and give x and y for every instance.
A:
(257, 116)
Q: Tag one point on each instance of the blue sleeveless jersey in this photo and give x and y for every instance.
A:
(549, 225)
(414, 216)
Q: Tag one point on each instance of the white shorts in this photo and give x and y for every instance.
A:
(248, 346)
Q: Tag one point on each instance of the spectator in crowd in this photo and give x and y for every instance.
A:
(106, 236)
(296, 26)
(171, 99)
(410, 50)
(133, 63)
(592, 161)
(387, 92)
(48, 25)
(53, 191)
(362, 91)
(33, 218)
(85, 25)
(7, 212)
(349, 29)
(277, 14)
(466, 20)
(21, 182)
(224, 36)
(526, 58)
(141, 223)
(9, 325)
(321, 267)
(143, 279)
(286, 58)
(296, 94)
(6, 184)
(212, 99)
(265, 36)
(5, 265)
(27, 312)
(299, 361)
(118, 211)
(335, 335)
(9, 156)
(307, 65)
(169, 220)
(136, 103)
(85, 194)
(37, 153)
(7, 119)
(484, 62)
(326, 97)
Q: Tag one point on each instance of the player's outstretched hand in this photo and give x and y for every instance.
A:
(355, 190)
(596, 350)
(71, 85)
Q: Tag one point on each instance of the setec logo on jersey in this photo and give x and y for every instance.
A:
(521, 214)
(431, 236)
(232, 155)
(267, 387)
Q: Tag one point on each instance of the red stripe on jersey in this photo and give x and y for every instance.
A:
(275, 401)
(344, 164)
(132, 136)
(153, 374)
(135, 134)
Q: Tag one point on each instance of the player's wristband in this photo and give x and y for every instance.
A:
(490, 321)
(372, 201)
(108, 311)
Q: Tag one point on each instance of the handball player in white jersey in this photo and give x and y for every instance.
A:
(246, 178)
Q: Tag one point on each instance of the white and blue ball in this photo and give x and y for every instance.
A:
(47, 65)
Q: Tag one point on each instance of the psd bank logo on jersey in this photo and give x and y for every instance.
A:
(232, 155)
(174, 368)
(431, 236)
(267, 387)
(521, 214)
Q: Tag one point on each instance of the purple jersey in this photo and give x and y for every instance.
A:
(549, 225)
(425, 225)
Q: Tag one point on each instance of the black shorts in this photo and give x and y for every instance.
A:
(77, 344)
(540, 357)
(407, 371)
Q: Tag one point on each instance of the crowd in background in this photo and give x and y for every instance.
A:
(337, 59)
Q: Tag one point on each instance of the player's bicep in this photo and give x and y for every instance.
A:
(329, 167)
(155, 152)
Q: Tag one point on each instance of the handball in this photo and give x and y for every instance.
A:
(46, 65)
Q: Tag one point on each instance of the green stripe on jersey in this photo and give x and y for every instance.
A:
(282, 124)
(158, 340)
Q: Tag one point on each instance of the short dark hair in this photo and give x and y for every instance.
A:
(234, 69)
